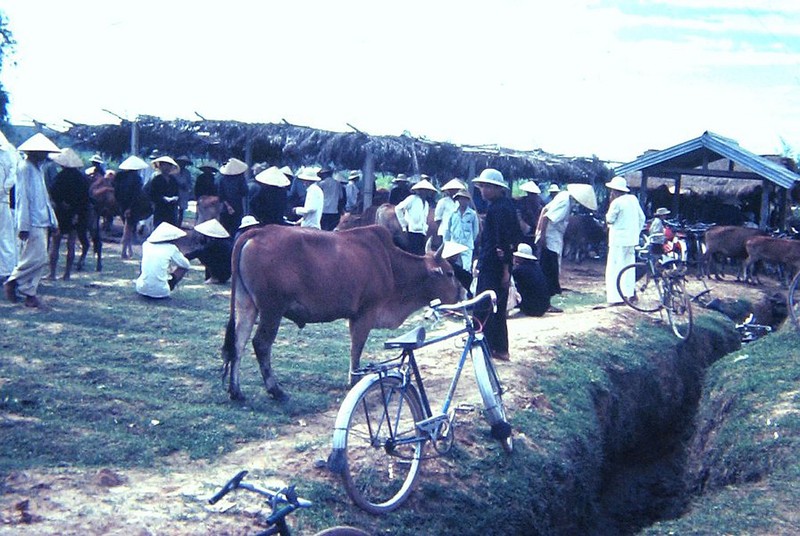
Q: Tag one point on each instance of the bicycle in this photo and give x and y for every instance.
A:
(793, 300)
(276, 522)
(385, 422)
(659, 286)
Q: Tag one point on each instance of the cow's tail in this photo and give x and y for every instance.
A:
(229, 343)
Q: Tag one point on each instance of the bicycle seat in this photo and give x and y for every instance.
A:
(410, 340)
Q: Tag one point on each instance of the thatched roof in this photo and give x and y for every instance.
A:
(286, 144)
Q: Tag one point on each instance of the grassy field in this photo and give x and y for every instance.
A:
(103, 378)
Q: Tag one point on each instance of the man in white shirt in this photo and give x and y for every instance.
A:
(412, 213)
(625, 220)
(8, 234)
(445, 208)
(331, 197)
(34, 216)
(163, 264)
(311, 211)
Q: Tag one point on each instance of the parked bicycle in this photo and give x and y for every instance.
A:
(283, 502)
(793, 300)
(386, 422)
(660, 286)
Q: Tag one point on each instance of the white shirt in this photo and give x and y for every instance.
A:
(33, 208)
(332, 193)
(412, 213)
(558, 211)
(625, 221)
(311, 211)
(156, 262)
(444, 209)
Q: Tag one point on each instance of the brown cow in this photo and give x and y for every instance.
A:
(778, 251)
(311, 276)
(383, 215)
(727, 241)
(583, 235)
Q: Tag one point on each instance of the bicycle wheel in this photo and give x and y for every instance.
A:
(383, 448)
(793, 300)
(647, 289)
(342, 531)
(679, 309)
(492, 394)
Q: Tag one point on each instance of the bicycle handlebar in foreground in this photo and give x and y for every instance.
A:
(466, 304)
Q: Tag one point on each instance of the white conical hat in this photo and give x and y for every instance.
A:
(166, 160)
(133, 163)
(424, 184)
(530, 187)
(308, 174)
(454, 184)
(286, 170)
(583, 194)
(67, 158)
(233, 166)
(272, 176)
(39, 143)
(451, 249)
(165, 232)
(212, 228)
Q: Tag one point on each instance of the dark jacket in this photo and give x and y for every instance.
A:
(215, 255)
(269, 204)
(532, 285)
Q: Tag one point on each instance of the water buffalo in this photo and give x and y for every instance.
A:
(311, 276)
(727, 241)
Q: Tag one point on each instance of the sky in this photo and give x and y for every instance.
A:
(601, 78)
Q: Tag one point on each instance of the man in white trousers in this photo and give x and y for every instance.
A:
(625, 221)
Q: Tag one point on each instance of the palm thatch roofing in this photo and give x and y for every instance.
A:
(287, 144)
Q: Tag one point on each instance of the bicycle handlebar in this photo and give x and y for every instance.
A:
(286, 495)
(231, 485)
(466, 304)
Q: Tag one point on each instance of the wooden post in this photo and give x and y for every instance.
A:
(676, 198)
(764, 216)
(369, 178)
(643, 191)
(414, 162)
(135, 137)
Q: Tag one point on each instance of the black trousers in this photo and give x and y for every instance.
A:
(416, 243)
(496, 329)
(548, 260)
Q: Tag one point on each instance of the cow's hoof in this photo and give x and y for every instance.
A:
(237, 397)
(278, 394)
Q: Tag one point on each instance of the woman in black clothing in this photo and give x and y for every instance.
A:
(232, 192)
(131, 200)
(269, 204)
(69, 194)
(214, 252)
(164, 191)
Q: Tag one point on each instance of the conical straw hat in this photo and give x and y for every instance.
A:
(530, 187)
(234, 166)
(454, 184)
(451, 249)
(133, 163)
(39, 143)
(424, 184)
(212, 228)
(583, 194)
(272, 176)
(165, 232)
(67, 158)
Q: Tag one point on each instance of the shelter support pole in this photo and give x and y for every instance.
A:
(369, 178)
(643, 192)
(135, 137)
(764, 219)
(784, 207)
(676, 198)
(471, 175)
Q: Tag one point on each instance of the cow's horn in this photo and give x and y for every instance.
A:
(438, 254)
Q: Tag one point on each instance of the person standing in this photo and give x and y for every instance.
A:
(8, 238)
(163, 189)
(501, 233)
(269, 204)
(34, 217)
(400, 189)
(625, 220)
(206, 194)
(463, 228)
(132, 203)
(444, 209)
(332, 194)
(351, 192)
(412, 213)
(657, 232)
(311, 211)
(232, 191)
(185, 186)
(530, 207)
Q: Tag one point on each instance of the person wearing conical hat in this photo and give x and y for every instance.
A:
(269, 203)
(8, 235)
(163, 264)
(214, 251)
(34, 216)
(206, 193)
(232, 193)
(351, 192)
(185, 185)
(530, 207)
(412, 213)
(400, 189)
(499, 237)
(132, 202)
(463, 228)
(69, 194)
(332, 195)
(311, 211)
(445, 207)
(530, 281)
(164, 191)
(625, 220)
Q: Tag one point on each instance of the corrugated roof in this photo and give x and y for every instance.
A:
(692, 153)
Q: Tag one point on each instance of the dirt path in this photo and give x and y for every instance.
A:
(172, 498)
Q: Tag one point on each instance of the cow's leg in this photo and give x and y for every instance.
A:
(359, 331)
(84, 240)
(70, 254)
(262, 344)
(97, 241)
(240, 324)
(55, 245)
(127, 239)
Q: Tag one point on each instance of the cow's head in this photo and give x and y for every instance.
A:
(441, 281)
(348, 221)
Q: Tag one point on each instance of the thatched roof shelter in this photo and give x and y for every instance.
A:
(287, 144)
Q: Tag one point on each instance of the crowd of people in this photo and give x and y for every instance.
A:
(491, 241)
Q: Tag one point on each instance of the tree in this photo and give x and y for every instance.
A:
(6, 46)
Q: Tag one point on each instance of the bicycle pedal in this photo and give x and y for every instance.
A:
(465, 408)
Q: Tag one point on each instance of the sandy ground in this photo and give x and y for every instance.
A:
(171, 499)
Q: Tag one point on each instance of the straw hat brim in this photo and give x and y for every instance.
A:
(67, 158)
(451, 249)
(212, 228)
(273, 176)
(133, 163)
(164, 233)
(583, 194)
(531, 187)
(424, 185)
(454, 184)
(39, 143)
(233, 166)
